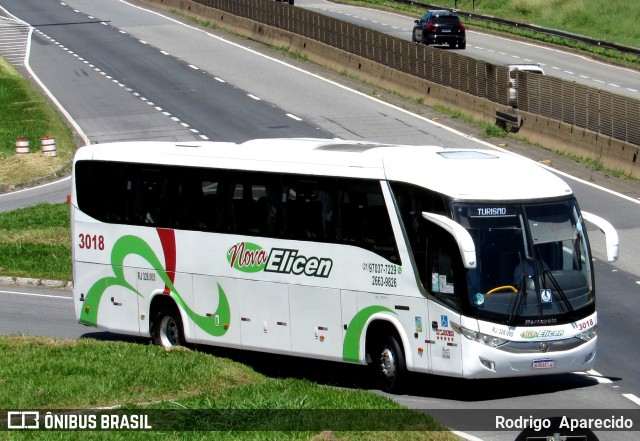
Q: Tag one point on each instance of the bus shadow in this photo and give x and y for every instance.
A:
(352, 376)
(420, 385)
(433, 386)
(111, 336)
(283, 366)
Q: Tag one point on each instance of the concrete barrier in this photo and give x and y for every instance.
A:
(552, 134)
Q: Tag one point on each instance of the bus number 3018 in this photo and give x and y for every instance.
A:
(91, 242)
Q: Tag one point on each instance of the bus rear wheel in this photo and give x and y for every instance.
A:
(389, 365)
(167, 329)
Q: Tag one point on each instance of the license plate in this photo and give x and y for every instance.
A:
(446, 30)
(544, 364)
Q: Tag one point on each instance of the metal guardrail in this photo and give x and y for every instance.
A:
(586, 107)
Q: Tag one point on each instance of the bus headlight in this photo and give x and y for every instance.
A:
(485, 339)
(589, 334)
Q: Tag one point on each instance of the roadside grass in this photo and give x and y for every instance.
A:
(87, 373)
(490, 130)
(617, 22)
(26, 113)
(595, 164)
(57, 374)
(35, 242)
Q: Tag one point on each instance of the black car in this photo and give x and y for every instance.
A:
(440, 27)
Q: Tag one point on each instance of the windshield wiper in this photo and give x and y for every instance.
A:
(543, 269)
(556, 285)
(521, 294)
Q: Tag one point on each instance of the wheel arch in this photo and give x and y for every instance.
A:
(160, 300)
(381, 326)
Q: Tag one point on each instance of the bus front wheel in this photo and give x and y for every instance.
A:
(389, 365)
(167, 329)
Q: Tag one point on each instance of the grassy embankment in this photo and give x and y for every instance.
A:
(612, 21)
(34, 242)
(26, 113)
(42, 373)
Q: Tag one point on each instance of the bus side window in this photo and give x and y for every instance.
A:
(254, 207)
(411, 201)
(237, 218)
(363, 218)
(207, 209)
(444, 264)
(189, 201)
(101, 190)
(146, 192)
(307, 210)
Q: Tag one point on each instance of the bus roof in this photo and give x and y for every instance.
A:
(463, 174)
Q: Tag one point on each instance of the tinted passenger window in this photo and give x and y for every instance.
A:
(321, 209)
(412, 201)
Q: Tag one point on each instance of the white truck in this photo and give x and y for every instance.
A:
(513, 79)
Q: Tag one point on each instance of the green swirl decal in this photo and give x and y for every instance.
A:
(128, 245)
(208, 324)
(123, 247)
(351, 347)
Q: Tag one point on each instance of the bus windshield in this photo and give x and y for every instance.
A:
(533, 263)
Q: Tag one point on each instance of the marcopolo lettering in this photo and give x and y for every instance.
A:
(286, 261)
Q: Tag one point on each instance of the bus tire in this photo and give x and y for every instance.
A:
(167, 330)
(389, 365)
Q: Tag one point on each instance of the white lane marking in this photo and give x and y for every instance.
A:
(597, 376)
(6, 195)
(633, 398)
(30, 294)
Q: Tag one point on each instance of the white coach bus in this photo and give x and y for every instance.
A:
(465, 263)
